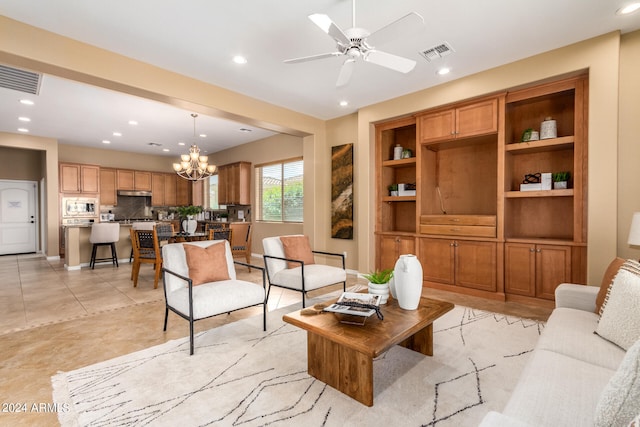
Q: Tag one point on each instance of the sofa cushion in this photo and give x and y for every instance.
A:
(607, 280)
(569, 331)
(620, 322)
(206, 264)
(557, 390)
(299, 248)
(315, 276)
(620, 400)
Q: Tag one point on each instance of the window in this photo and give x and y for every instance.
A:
(279, 191)
(213, 192)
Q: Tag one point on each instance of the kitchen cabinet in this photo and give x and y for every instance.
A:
(391, 247)
(134, 180)
(170, 189)
(157, 189)
(234, 184)
(183, 192)
(466, 263)
(463, 121)
(535, 270)
(79, 178)
(108, 193)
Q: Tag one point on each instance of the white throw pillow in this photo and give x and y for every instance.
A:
(620, 322)
(620, 400)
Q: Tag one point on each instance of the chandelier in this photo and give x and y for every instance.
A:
(193, 166)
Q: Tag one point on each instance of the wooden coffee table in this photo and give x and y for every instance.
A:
(341, 355)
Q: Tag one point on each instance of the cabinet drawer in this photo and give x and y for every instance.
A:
(458, 230)
(485, 220)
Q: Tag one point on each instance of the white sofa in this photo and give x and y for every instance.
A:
(567, 372)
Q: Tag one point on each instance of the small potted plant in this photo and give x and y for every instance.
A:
(379, 283)
(187, 214)
(224, 216)
(393, 189)
(560, 179)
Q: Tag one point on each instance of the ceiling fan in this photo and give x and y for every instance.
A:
(357, 43)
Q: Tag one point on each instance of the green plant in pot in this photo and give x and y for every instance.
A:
(393, 189)
(560, 179)
(379, 283)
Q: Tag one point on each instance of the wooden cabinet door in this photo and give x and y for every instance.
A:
(197, 196)
(244, 183)
(391, 247)
(437, 126)
(125, 179)
(553, 266)
(520, 269)
(437, 259)
(142, 180)
(477, 119)
(183, 192)
(108, 194)
(223, 179)
(475, 265)
(170, 189)
(69, 178)
(157, 189)
(90, 179)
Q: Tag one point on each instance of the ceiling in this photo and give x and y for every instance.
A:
(199, 38)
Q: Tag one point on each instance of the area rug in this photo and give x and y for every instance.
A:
(242, 376)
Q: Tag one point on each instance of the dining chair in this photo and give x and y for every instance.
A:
(140, 225)
(146, 250)
(241, 243)
(220, 234)
(164, 230)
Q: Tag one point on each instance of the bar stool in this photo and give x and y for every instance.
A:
(104, 234)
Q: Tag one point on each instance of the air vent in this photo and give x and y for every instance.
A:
(438, 51)
(20, 80)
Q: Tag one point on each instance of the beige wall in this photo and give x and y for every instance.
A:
(20, 164)
(628, 142)
(114, 159)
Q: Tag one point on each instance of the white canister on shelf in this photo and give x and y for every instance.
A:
(407, 278)
(548, 129)
(397, 152)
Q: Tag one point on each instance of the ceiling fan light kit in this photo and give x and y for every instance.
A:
(357, 43)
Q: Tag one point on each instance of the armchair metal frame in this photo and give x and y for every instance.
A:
(303, 290)
(190, 318)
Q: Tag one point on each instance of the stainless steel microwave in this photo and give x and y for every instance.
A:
(79, 207)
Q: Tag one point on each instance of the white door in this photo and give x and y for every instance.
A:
(17, 217)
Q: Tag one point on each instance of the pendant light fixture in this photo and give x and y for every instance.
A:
(193, 166)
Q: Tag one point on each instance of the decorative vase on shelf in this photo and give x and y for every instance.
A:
(407, 276)
(189, 225)
(381, 289)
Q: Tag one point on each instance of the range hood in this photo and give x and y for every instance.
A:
(135, 193)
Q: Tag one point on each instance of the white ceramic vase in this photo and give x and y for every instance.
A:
(189, 225)
(407, 276)
(381, 289)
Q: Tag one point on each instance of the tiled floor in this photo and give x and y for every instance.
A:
(56, 320)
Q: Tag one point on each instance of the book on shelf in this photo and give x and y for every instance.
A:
(351, 303)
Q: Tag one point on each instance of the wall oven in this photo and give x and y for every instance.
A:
(79, 210)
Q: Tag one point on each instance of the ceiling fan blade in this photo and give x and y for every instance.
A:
(394, 62)
(328, 26)
(312, 57)
(408, 24)
(345, 72)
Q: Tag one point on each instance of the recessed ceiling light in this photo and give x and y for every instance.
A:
(443, 71)
(203, 135)
(133, 123)
(117, 134)
(106, 141)
(165, 149)
(344, 103)
(26, 101)
(239, 59)
(630, 8)
(180, 143)
(24, 119)
(245, 130)
(23, 130)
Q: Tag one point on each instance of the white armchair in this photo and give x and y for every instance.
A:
(296, 274)
(193, 301)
